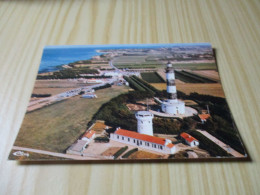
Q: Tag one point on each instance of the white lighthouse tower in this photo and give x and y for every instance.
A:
(172, 105)
(144, 122)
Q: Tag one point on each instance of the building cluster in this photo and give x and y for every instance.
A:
(78, 147)
(144, 138)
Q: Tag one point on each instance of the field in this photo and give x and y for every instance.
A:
(144, 155)
(139, 66)
(195, 66)
(190, 77)
(54, 87)
(213, 74)
(152, 77)
(52, 91)
(56, 127)
(99, 127)
(129, 60)
(214, 89)
(140, 62)
(110, 151)
(57, 84)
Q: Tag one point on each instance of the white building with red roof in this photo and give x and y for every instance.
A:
(204, 117)
(89, 135)
(144, 141)
(189, 139)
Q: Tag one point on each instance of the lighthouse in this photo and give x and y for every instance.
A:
(144, 122)
(171, 88)
(172, 105)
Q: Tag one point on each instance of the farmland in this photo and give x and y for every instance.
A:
(52, 91)
(195, 66)
(144, 155)
(56, 84)
(56, 127)
(214, 89)
(189, 77)
(139, 62)
(139, 84)
(139, 66)
(152, 77)
(213, 74)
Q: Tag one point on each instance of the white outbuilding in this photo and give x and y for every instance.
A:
(191, 141)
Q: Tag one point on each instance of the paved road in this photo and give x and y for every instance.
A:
(68, 156)
(221, 144)
(33, 105)
(126, 73)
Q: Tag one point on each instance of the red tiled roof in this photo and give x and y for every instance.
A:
(139, 136)
(89, 134)
(204, 116)
(170, 145)
(188, 137)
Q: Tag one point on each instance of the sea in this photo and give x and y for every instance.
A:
(53, 59)
(55, 56)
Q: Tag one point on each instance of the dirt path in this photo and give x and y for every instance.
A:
(68, 156)
(221, 144)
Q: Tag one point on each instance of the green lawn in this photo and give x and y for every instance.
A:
(56, 127)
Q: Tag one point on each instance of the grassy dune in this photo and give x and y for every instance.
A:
(56, 127)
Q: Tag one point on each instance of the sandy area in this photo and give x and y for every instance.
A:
(99, 127)
(199, 152)
(146, 155)
(208, 73)
(135, 107)
(110, 151)
(101, 148)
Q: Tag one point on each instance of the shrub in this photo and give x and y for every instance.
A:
(101, 139)
(119, 152)
(133, 84)
(126, 155)
(102, 87)
(208, 145)
(41, 95)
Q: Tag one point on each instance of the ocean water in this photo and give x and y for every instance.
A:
(52, 59)
(55, 56)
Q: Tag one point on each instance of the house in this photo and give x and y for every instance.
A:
(78, 147)
(89, 96)
(191, 141)
(204, 117)
(144, 141)
(89, 135)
